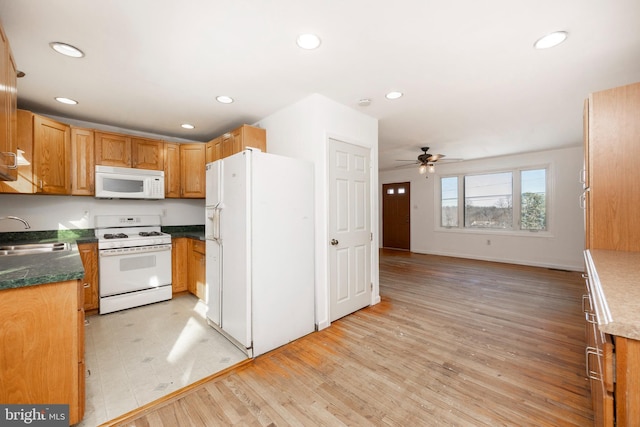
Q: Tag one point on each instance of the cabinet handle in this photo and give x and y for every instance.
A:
(584, 309)
(86, 285)
(40, 183)
(582, 177)
(592, 375)
(583, 199)
(590, 318)
(15, 159)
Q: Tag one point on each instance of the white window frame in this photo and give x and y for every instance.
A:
(516, 195)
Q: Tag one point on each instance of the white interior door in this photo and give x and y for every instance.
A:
(349, 228)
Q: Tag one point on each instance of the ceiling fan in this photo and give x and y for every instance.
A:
(425, 161)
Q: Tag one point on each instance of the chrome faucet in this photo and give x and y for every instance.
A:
(26, 224)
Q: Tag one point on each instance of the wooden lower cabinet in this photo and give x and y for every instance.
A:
(197, 267)
(89, 255)
(179, 256)
(42, 346)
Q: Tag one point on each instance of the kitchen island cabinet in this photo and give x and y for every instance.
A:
(42, 346)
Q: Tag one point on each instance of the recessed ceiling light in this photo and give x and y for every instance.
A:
(308, 41)
(224, 99)
(187, 126)
(66, 49)
(66, 100)
(393, 95)
(551, 40)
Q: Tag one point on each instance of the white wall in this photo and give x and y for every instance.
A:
(560, 247)
(76, 212)
(302, 131)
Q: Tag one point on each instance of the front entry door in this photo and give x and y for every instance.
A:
(396, 215)
(349, 228)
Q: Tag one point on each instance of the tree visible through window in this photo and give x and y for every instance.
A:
(501, 200)
(533, 201)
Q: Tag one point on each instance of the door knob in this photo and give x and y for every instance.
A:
(334, 242)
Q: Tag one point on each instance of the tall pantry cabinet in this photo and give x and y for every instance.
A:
(612, 223)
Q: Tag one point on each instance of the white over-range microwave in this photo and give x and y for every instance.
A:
(128, 183)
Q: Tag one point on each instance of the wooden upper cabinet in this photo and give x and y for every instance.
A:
(8, 111)
(113, 149)
(52, 155)
(613, 147)
(192, 170)
(147, 153)
(82, 162)
(171, 170)
(25, 182)
(242, 138)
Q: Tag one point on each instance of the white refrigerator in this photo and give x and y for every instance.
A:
(260, 249)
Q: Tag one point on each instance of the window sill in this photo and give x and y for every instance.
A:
(495, 232)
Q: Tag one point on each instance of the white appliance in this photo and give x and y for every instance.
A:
(134, 261)
(260, 249)
(128, 183)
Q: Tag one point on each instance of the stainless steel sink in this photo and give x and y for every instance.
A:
(33, 248)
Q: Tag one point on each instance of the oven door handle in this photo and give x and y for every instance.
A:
(134, 251)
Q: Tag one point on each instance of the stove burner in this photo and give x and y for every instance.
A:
(115, 236)
(150, 233)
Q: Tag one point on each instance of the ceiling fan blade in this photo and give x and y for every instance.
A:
(436, 157)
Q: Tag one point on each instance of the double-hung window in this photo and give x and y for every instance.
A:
(506, 200)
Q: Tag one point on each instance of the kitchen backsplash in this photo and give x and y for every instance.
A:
(78, 212)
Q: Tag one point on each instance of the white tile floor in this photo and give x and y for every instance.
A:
(138, 355)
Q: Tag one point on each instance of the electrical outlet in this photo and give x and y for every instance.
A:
(488, 242)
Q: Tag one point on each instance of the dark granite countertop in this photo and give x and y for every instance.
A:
(191, 231)
(17, 271)
(26, 270)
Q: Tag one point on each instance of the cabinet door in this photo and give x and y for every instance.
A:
(82, 162)
(52, 153)
(613, 174)
(24, 184)
(39, 342)
(192, 172)
(8, 111)
(172, 170)
(89, 255)
(147, 154)
(179, 260)
(197, 275)
(254, 137)
(227, 144)
(113, 149)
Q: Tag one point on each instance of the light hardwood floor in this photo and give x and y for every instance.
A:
(454, 342)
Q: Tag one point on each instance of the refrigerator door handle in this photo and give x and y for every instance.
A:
(216, 224)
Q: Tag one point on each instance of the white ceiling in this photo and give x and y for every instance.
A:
(474, 85)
